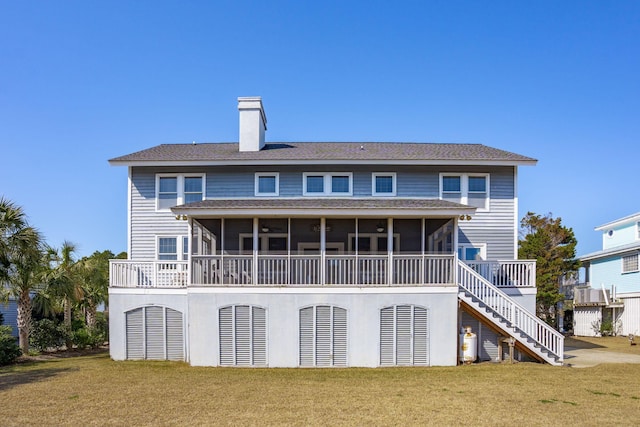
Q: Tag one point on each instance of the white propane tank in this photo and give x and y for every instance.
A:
(468, 346)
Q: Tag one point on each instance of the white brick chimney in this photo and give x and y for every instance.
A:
(253, 123)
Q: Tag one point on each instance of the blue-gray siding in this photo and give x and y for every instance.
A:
(9, 311)
(496, 227)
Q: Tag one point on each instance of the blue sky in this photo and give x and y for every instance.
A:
(85, 81)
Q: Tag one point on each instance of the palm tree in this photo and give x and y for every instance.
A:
(94, 271)
(64, 283)
(21, 263)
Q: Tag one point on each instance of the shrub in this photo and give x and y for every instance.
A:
(9, 349)
(47, 335)
(87, 338)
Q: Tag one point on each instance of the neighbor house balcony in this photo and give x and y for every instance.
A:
(314, 270)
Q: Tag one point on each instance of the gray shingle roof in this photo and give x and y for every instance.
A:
(324, 203)
(323, 151)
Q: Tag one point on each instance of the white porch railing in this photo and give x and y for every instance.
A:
(517, 273)
(517, 317)
(153, 274)
(289, 270)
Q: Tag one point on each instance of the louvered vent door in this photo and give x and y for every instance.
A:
(339, 336)
(404, 336)
(387, 336)
(227, 342)
(307, 338)
(243, 335)
(259, 338)
(420, 336)
(135, 334)
(154, 333)
(323, 336)
(243, 338)
(175, 335)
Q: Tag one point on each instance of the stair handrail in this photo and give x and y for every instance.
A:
(519, 317)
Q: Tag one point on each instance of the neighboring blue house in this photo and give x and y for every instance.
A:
(612, 275)
(322, 254)
(9, 312)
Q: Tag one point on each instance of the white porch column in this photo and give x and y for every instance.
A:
(390, 251)
(256, 238)
(323, 249)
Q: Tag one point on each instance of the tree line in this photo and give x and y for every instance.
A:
(48, 282)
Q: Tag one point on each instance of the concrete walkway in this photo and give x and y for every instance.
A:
(587, 357)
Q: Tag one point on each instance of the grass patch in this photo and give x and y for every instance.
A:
(94, 390)
(618, 344)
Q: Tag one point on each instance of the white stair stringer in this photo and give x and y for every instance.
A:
(499, 309)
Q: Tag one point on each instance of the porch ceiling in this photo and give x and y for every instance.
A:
(374, 207)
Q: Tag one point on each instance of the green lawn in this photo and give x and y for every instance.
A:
(93, 390)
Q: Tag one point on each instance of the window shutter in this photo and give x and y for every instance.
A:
(226, 336)
(175, 335)
(420, 337)
(387, 336)
(154, 332)
(307, 349)
(259, 336)
(243, 335)
(339, 336)
(135, 334)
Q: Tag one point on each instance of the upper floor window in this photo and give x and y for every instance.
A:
(173, 190)
(384, 184)
(638, 230)
(468, 189)
(327, 184)
(173, 248)
(630, 263)
(267, 184)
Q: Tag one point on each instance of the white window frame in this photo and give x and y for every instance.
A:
(259, 175)
(373, 239)
(180, 242)
(629, 257)
(375, 175)
(264, 241)
(481, 246)
(327, 191)
(180, 199)
(464, 188)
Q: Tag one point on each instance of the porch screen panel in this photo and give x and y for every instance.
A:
(175, 335)
(225, 318)
(154, 333)
(135, 334)
(307, 348)
(243, 335)
(259, 337)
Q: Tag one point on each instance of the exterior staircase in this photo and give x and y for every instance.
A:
(532, 335)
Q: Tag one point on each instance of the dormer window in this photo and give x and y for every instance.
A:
(327, 184)
(267, 184)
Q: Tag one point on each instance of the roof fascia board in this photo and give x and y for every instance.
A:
(609, 253)
(316, 213)
(626, 220)
(323, 162)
